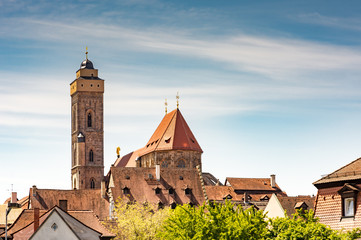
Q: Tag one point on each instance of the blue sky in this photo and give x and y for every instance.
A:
(267, 87)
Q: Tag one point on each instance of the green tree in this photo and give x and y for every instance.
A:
(137, 221)
(216, 221)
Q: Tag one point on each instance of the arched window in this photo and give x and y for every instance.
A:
(91, 156)
(90, 120)
(92, 183)
(181, 164)
(164, 164)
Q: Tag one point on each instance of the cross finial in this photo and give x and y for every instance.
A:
(86, 52)
(177, 97)
(166, 105)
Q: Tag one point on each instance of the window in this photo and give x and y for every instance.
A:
(348, 207)
(164, 164)
(126, 191)
(92, 184)
(181, 164)
(91, 156)
(173, 205)
(348, 195)
(89, 120)
(171, 191)
(158, 190)
(188, 191)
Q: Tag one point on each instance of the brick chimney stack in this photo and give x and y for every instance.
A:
(273, 180)
(36, 219)
(14, 198)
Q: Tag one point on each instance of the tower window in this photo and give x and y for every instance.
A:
(92, 184)
(89, 120)
(91, 156)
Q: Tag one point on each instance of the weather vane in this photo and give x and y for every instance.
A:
(86, 52)
(177, 97)
(118, 150)
(166, 105)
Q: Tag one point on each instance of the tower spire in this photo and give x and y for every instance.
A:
(166, 105)
(177, 97)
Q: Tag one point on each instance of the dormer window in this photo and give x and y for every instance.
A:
(171, 191)
(228, 196)
(126, 191)
(349, 197)
(173, 205)
(158, 190)
(188, 191)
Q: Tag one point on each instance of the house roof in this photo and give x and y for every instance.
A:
(252, 184)
(23, 202)
(91, 220)
(351, 171)
(25, 218)
(24, 224)
(173, 133)
(12, 216)
(142, 183)
(290, 203)
(79, 199)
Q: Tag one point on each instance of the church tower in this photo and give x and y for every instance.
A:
(86, 91)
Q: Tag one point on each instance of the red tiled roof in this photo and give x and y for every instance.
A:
(289, 203)
(129, 159)
(252, 184)
(88, 218)
(141, 183)
(173, 133)
(351, 171)
(23, 220)
(80, 199)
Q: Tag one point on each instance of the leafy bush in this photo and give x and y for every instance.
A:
(217, 221)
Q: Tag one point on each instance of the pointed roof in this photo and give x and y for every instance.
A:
(173, 133)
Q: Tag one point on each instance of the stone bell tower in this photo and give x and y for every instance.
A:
(86, 91)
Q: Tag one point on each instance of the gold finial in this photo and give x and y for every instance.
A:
(118, 150)
(86, 52)
(166, 105)
(177, 97)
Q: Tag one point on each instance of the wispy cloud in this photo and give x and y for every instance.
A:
(322, 20)
(277, 58)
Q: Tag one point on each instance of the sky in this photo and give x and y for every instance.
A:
(267, 87)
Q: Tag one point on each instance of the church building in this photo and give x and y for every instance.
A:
(166, 171)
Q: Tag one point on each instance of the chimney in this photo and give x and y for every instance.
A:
(273, 180)
(14, 198)
(36, 218)
(102, 188)
(245, 197)
(34, 190)
(63, 204)
(157, 172)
